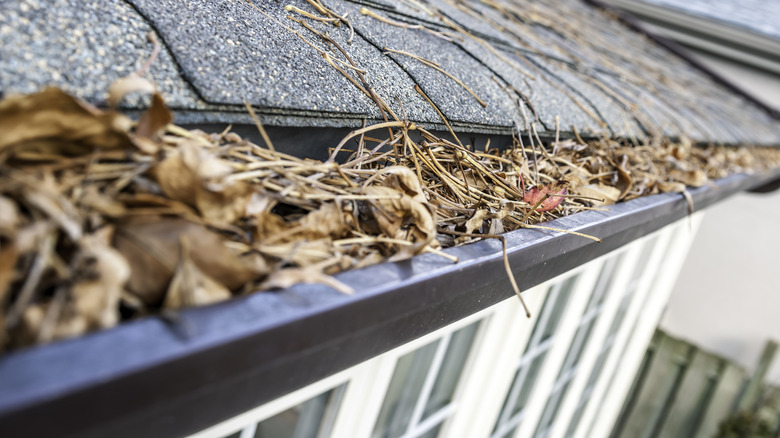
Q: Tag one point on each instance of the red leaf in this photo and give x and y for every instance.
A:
(548, 195)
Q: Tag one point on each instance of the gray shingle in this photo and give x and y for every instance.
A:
(563, 57)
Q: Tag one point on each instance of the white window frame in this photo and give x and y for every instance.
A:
(625, 263)
(633, 338)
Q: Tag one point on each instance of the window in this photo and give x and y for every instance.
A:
(419, 397)
(584, 329)
(617, 323)
(310, 419)
(533, 358)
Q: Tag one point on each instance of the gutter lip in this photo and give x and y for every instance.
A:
(170, 376)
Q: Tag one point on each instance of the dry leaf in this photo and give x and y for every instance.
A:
(547, 195)
(474, 224)
(131, 83)
(101, 275)
(9, 216)
(69, 125)
(605, 194)
(46, 197)
(190, 286)
(9, 255)
(693, 178)
(151, 246)
(286, 278)
(154, 119)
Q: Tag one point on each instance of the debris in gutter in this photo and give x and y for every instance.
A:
(104, 219)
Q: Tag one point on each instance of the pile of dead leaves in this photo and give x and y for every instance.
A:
(104, 219)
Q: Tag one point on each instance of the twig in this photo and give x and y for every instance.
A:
(507, 267)
(260, 127)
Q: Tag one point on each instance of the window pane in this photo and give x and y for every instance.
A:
(433, 433)
(551, 410)
(403, 392)
(449, 374)
(606, 278)
(644, 258)
(510, 433)
(304, 420)
(535, 352)
(558, 307)
(528, 382)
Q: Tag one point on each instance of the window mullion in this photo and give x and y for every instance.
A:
(249, 431)
(430, 379)
(564, 336)
(526, 359)
(622, 268)
(431, 422)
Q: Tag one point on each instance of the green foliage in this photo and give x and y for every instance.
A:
(744, 425)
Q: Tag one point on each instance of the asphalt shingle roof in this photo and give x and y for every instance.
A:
(560, 58)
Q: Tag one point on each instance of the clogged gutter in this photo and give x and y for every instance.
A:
(104, 219)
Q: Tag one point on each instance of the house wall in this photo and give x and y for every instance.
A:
(727, 298)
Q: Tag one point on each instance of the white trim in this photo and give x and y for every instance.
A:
(705, 25)
(662, 284)
(624, 332)
(555, 357)
(281, 404)
(491, 369)
(626, 261)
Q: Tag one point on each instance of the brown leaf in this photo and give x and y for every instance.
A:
(52, 114)
(151, 246)
(285, 278)
(9, 216)
(405, 180)
(476, 220)
(606, 194)
(131, 83)
(101, 275)
(624, 180)
(97, 201)
(190, 286)
(225, 206)
(154, 119)
(9, 255)
(46, 197)
(151, 122)
(198, 178)
(693, 178)
(176, 176)
(326, 221)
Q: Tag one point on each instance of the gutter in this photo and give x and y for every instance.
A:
(175, 375)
